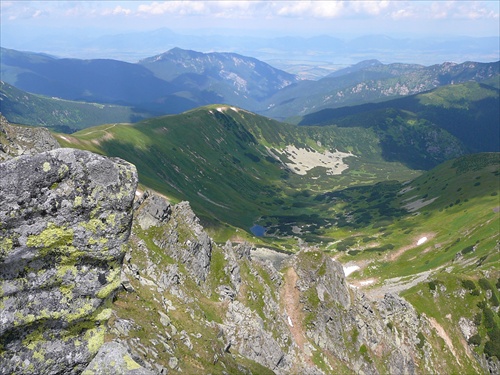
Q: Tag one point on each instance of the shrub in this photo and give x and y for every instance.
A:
(475, 340)
(421, 339)
(468, 249)
(492, 349)
(489, 318)
(485, 284)
(468, 284)
(477, 319)
(432, 285)
(494, 299)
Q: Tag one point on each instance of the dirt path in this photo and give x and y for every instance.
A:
(293, 308)
(291, 298)
(442, 333)
(100, 130)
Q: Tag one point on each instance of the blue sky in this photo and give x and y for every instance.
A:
(263, 18)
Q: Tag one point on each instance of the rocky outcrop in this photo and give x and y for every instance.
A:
(18, 140)
(184, 238)
(113, 359)
(65, 217)
(196, 306)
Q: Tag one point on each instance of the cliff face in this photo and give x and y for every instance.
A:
(196, 306)
(65, 216)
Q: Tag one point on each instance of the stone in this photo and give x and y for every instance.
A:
(113, 359)
(20, 140)
(65, 216)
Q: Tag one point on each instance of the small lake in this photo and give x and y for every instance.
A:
(258, 230)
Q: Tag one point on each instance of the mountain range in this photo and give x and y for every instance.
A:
(147, 290)
(179, 80)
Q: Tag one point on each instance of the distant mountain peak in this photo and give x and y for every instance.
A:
(367, 63)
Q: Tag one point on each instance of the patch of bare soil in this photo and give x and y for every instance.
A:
(291, 298)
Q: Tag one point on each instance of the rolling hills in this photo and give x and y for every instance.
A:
(237, 166)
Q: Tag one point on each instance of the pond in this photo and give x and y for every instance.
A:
(258, 230)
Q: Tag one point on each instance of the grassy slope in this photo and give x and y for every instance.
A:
(58, 114)
(462, 226)
(217, 159)
(357, 216)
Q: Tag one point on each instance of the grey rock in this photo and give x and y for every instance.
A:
(21, 140)
(154, 211)
(182, 238)
(244, 331)
(113, 359)
(173, 363)
(65, 215)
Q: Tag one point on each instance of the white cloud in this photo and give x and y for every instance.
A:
(181, 8)
(120, 10)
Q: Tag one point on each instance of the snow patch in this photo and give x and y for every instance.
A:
(290, 322)
(366, 282)
(350, 269)
(421, 241)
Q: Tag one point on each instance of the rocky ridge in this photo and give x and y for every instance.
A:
(65, 217)
(228, 312)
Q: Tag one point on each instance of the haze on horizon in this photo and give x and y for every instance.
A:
(63, 27)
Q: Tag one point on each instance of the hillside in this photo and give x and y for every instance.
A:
(469, 112)
(58, 114)
(172, 82)
(368, 82)
(189, 303)
(219, 77)
(236, 166)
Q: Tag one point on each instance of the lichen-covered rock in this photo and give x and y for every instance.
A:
(113, 359)
(64, 218)
(246, 334)
(23, 140)
(181, 237)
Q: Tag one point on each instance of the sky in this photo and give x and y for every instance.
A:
(262, 18)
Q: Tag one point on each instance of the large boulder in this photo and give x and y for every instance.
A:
(65, 216)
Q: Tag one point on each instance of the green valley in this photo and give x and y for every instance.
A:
(235, 167)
